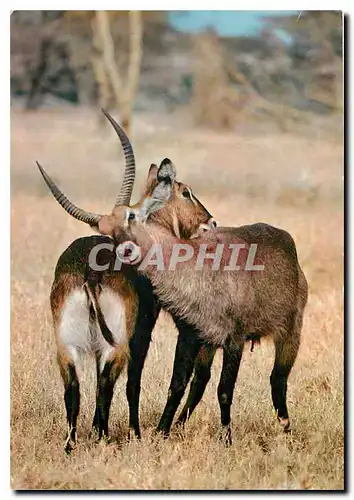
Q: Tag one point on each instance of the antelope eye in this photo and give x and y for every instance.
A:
(131, 216)
(185, 193)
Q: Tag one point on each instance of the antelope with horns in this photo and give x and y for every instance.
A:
(112, 313)
(225, 307)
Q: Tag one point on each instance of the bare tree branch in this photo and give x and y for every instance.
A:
(99, 68)
(108, 52)
(124, 92)
(135, 39)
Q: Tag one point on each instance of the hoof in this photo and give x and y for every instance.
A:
(225, 436)
(182, 419)
(180, 424)
(285, 423)
(69, 446)
(162, 432)
(105, 440)
(132, 434)
(93, 433)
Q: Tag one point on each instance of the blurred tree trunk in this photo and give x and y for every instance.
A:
(215, 103)
(99, 70)
(320, 32)
(40, 71)
(219, 104)
(106, 67)
(37, 76)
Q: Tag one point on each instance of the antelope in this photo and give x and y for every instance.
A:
(112, 313)
(223, 307)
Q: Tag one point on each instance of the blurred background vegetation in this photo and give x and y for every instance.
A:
(221, 67)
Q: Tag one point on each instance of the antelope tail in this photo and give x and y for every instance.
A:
(91, 290)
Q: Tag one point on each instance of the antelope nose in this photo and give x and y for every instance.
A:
(212, 222)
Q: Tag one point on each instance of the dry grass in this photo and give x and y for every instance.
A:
(292, 182)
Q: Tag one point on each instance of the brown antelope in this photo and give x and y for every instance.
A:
(225, 305)
(120, 305)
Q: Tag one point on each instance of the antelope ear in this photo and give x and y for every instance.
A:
(152, 175)
(106, 225)
(159, 196)
(167, 170)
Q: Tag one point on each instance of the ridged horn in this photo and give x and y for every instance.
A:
(129, 172)
(79, 214)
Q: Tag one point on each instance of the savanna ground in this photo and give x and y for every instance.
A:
(293, 181)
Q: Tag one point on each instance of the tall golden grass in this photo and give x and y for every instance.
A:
(294, 182)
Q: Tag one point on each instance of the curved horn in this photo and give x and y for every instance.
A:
(129, 172)
(78, 213)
